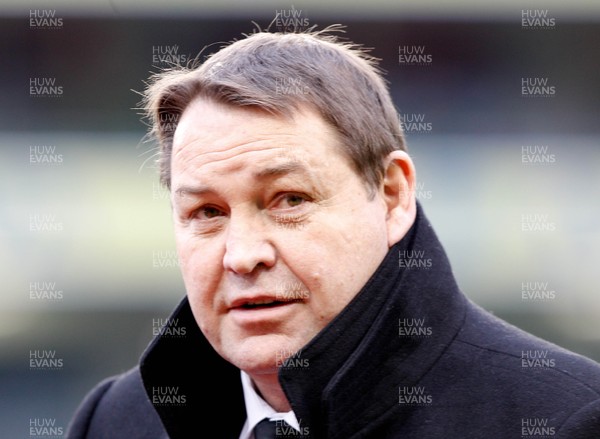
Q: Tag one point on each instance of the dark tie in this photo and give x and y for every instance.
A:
(266, 429)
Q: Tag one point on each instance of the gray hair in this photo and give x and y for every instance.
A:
(337, 79)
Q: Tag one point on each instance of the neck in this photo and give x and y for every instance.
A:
(270, 390)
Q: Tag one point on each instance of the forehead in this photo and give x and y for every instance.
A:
(202, 114)
(212, 135)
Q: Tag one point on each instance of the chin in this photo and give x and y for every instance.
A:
(255, 367)
(257, 354)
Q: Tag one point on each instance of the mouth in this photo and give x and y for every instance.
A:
(264, 304)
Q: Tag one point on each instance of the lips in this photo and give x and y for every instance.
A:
(253, 313)
(262, 302)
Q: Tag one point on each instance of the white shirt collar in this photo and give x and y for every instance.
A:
(258, 409)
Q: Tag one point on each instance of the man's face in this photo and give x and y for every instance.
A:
(275, 231)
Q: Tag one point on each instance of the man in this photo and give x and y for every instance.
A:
(319, 301)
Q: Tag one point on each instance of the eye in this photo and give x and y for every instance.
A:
(290, 200)
(293, 200)
(208, 212)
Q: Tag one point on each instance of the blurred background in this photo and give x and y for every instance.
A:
(500, 105)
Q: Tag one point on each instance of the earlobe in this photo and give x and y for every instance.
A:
(398, 192)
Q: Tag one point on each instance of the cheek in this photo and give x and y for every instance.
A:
(339, 255)
(316, 258)
(201, 278)
(201, 270)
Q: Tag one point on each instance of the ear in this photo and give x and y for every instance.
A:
(398, 193)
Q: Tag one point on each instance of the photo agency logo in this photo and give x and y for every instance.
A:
(537, 155)
(536, 428)
(168, 396)
(168, 328)
(164, 56)
(290, 359)
(414, 259)
(45, 87)
(168, 122)
(293, 290)
(165, 259)
(411, 55)
(284, 431)
(421, 193)
(536, 359)
(414, 123)
(46, 428)
(414, 395)
(290, 86)
(536, 291)
(537, 19)
(537, 222)
(290, 20)
(47, 291)
(414, 328)
(44, 222)
(44, 155)
(290, 221)
(159, 192)
(44, 359)
(537, 87)
(45, 19)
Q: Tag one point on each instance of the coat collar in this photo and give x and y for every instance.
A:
(388, 336)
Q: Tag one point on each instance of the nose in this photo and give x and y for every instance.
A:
(247, 247)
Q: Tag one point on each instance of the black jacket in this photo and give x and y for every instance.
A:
(409, 357)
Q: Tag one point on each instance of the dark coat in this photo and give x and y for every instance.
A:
(409, 357)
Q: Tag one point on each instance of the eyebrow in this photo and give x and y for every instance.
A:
(193, 190)
(272, 171)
